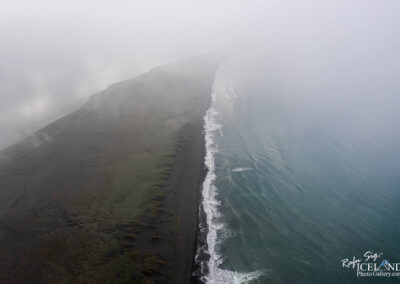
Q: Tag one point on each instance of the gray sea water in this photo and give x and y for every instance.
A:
(302, 174)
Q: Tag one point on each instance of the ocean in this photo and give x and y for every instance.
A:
(300, 178)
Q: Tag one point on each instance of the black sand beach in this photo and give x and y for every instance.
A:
(110, 193)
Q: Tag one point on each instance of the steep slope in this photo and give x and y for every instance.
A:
(109, 193)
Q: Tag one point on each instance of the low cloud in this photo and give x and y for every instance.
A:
(55, 54)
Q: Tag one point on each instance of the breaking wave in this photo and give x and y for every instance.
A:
(210, 204)
(241, 169)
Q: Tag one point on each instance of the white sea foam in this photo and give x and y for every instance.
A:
(211, 207)
(241, 169)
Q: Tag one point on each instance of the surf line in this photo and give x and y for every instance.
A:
(211, 271)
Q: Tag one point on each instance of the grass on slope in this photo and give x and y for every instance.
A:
(127, 188)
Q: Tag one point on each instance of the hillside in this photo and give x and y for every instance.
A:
(109, 193)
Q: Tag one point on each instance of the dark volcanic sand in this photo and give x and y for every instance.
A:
(188, 174)
(110, 193)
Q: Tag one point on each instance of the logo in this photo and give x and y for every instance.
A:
(372, 264)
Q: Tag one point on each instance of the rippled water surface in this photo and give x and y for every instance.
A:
(298, 187)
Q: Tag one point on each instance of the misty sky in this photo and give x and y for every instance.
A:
(55, 54)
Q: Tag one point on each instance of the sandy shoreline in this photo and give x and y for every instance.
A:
(187, 178)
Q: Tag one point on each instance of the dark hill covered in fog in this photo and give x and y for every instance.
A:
(109, 193)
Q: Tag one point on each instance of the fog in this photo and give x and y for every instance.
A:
(55, 54)
(331, 65)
